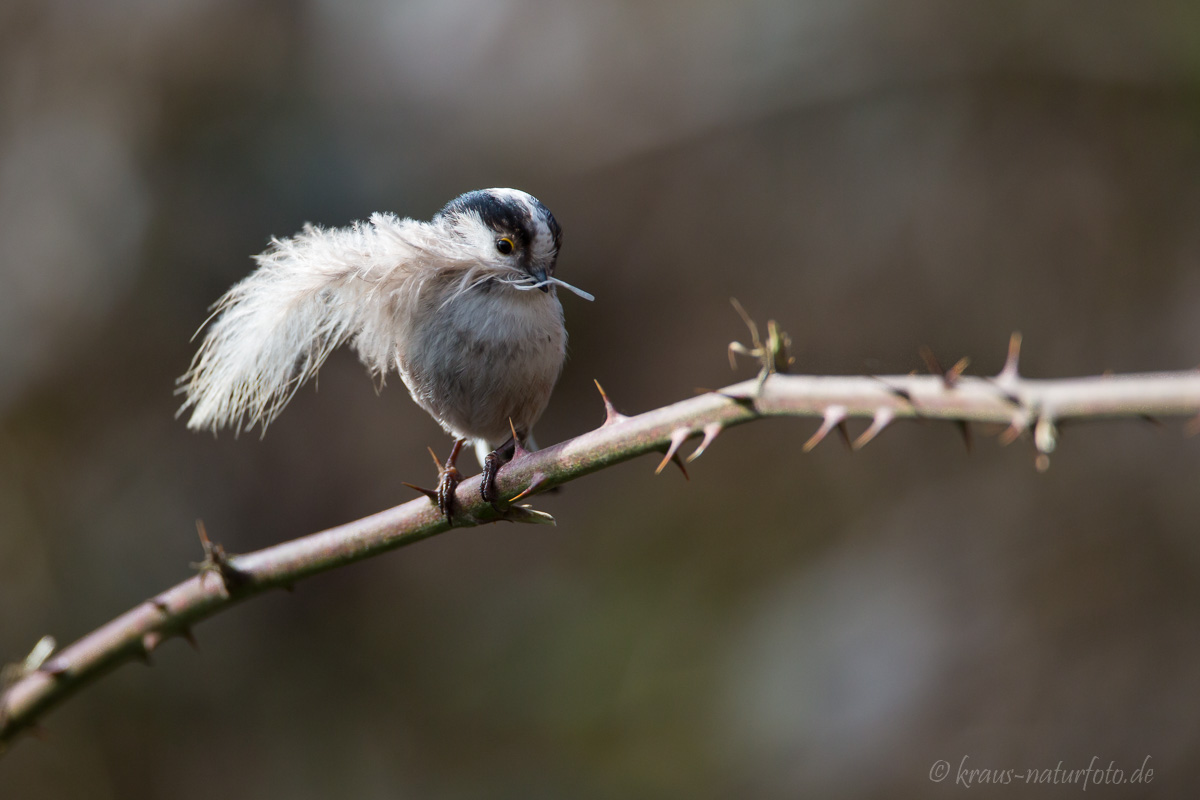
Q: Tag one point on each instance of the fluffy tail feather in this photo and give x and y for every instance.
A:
(274, 329)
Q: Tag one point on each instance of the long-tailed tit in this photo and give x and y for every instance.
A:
(464, 307)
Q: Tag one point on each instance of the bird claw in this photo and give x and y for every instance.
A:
(449, 477)
(448, 480)
(487, 483)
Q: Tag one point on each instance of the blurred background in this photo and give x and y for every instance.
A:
(875, 175)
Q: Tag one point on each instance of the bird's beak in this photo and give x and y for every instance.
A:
(539, 274)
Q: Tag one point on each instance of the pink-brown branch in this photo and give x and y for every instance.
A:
(1021, 404)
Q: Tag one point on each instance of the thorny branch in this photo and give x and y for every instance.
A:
(1021, 406)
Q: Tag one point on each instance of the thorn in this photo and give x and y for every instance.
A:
(518, 450)
(36, 661)
(844, 432)
(1045, 436)
(161, 605)
(677, 461)
(883, 418)
(1155, 421)
(1192, 426)
(711, 431)
(538, 479)
(611, 415)
(189, 637)
(834, 415)
(437, 464)
(949, 376)
(931, 363)
(1009, 377)
(151, 641)
(1011, 372)
(956, 372)
(431, 494)
(964, 428)
(39, 654)
(1018, 426)
(528, 514)
(678, 437)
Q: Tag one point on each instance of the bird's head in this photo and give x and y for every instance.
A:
(512, 233)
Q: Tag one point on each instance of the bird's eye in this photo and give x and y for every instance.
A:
(504, 245)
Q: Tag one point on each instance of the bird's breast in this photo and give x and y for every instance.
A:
(484, 357)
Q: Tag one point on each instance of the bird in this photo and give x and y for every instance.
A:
(464, 307)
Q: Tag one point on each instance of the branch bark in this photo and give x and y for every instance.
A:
(1008, 399)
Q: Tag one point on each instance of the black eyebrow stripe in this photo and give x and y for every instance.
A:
(503, 215)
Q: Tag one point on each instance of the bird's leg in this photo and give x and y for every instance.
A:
(448, 480)
(491, 465)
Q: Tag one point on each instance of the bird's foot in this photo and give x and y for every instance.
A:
(491, 465)
(448, 479)
(487, 485)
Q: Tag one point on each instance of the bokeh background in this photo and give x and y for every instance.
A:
(876, 175)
